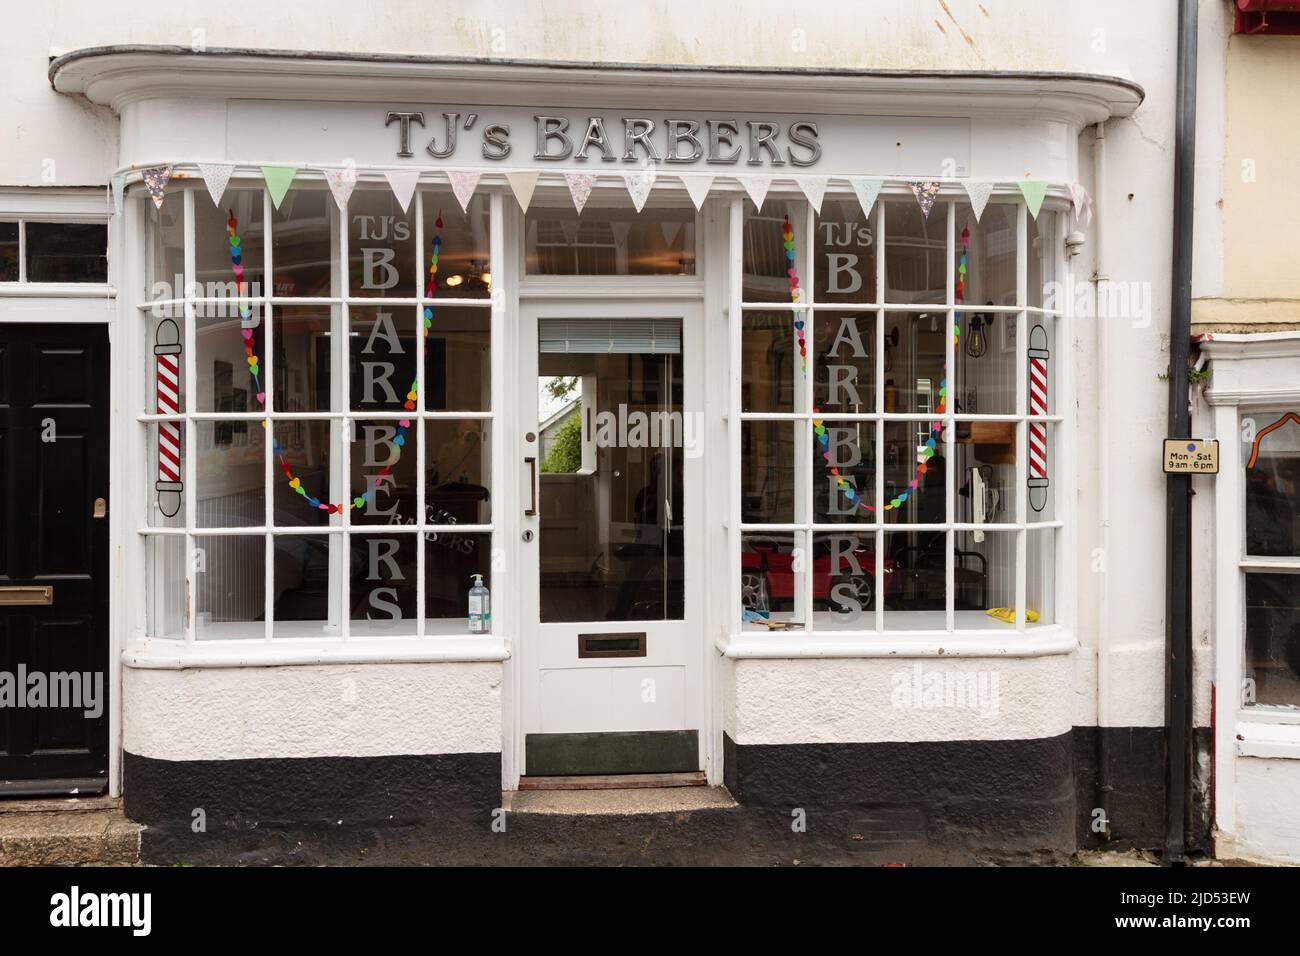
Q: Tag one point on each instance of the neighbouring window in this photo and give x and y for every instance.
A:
(32, 251)
(895, 475)
(1272, 563)
(319, 442)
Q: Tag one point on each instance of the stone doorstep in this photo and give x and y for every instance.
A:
(65, 832)
(625, 802)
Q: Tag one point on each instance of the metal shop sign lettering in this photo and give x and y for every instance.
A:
(633, 139)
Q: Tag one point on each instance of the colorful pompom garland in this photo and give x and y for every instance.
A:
(403, 425)
(936, 427)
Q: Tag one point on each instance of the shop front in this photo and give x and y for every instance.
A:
(748, 397)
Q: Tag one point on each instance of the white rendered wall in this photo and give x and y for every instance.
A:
(333, 710)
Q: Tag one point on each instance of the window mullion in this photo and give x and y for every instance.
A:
(804, 445)
(500, 448)
(22, 250)
(341, 563)
(878, 492)
(735, 273)
(268, 435)
(1022, 409)
(189, 438)
(420, 516)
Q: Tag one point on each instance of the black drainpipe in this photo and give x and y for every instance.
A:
(1178, 488)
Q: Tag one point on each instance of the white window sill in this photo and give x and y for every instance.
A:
(1269, 734)
(57, 290)
(158, 654)
(1045, 640)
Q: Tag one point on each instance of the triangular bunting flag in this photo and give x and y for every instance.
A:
(216, 176)
(926, 193)
(757, 187)
(403, 183)
(697, 187)
(814, 187)
(155, 180)
(979, 194)
(1034, 191)
(523, 184)
(1080, 201)
(341, 182)
(278, 179)
(580, 188)
(670, 230)
(867, 190)
(639, 186)
(463, 185)
(118, 186)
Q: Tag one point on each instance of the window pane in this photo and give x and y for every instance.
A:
(766, 258)
(845, 260)
(464, 254)
(382, 259)
(1273, 637)
(1042, 260)
(305, 604)
(303, 244)
(8, 252)
(842, 495)
(772, 573)
(383, 584)
(67, 252)
(458, 360)
(1273, 487)
(1040, 576)
(164, 386)
(915, 356)
(985, 577)
(226, 382)
(385, 464)
(916, 266)
(986, 473)
(458, 467)
(844, 581)
(164, 248)
(844, 362)
(991, 257)
(382, 355)
(304, 369)
(915, 580)
(166, 484)
(230, 473)
(771, 367)
(610, 240)
(213, 249)
(230, 584)
(986, 379)
(166, 575)
(302, 478)
(767, 472)
(915, 473)
(451, 560)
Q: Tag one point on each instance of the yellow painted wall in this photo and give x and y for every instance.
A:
(1261, 188)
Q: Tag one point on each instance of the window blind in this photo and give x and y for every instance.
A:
(607, 336)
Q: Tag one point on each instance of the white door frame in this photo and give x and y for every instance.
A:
(528, 654)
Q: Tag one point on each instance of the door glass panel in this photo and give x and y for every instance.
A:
(614, 437)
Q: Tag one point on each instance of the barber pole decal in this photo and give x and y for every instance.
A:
(1038, 356)
(167, 348)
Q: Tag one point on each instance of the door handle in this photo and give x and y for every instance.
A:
(531, 511)
(12, 596)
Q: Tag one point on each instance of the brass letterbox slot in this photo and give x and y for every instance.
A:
(612, 645)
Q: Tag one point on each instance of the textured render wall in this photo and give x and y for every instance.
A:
(859, 701)
(1260, 189)
(1268, 818)
(364, 710)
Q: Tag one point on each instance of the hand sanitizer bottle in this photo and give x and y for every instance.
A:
(480, 607)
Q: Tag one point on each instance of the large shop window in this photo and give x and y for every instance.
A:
(1272, 561)
(898, 417)
(319, 436)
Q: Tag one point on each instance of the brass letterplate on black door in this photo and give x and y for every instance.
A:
(612, 645)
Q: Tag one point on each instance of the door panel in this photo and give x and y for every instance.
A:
(611, 629)
(53, 465)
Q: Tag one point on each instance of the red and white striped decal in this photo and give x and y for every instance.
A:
(1037, 407)
(169, 433)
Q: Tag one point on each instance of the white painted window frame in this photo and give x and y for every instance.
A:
(25, 301)
(1021, 639)
(413, 641)
(1253, 375)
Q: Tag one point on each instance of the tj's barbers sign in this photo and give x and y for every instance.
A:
(635, 139)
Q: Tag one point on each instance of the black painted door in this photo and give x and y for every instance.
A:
(53, 466)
